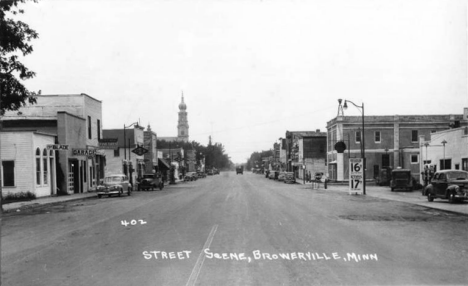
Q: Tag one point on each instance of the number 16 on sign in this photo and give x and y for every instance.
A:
(355, 175)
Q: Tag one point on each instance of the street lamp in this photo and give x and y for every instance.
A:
(128, 169)
(443, 143)
(426, 145)
(363, 150)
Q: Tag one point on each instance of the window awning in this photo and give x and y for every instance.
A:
(163, 164)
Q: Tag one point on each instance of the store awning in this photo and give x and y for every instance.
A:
(163, 164)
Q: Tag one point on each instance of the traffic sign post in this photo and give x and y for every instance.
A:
(356, 175)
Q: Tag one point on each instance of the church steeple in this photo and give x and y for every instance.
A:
(183, 127)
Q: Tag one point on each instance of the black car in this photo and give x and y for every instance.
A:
(448, 184)
(239, 170)
(150, 182)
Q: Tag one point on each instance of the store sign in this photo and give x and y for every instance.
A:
(108, 143)
(140, 150)
(356, 174)
(84, 152)
(57, 147)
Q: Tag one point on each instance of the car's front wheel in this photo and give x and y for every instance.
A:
(452, 198)
(430, 198)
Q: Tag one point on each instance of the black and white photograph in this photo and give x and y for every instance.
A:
(233, 142)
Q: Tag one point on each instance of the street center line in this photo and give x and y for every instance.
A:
(201, 258)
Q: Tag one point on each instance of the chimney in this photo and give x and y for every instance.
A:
(317, 130)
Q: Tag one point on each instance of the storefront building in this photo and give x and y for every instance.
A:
(306, 152)
(122, 159)
(447, 149)
(75, 121)
(27, 163)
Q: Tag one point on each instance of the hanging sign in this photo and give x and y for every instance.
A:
(140, 150)
(355, 175)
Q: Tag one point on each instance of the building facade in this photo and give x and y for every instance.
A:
(447, 149)
(27, 164)
(390, 141)
(306, 152)
(121, 159)
(76, 122)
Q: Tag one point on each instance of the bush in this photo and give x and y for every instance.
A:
(18, 197)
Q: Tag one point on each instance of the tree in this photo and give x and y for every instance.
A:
(15, 39)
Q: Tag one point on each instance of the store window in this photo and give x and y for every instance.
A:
(90, 134)
(44, 166)
(8, 174)
(99, 129)
(377, 136)
(38, 167)
(358, 136)
(414, 135)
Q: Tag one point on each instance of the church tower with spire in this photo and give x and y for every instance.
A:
(183, 126)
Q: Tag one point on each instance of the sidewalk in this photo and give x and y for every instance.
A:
(55, 199)
(414, 197)
(46, 200)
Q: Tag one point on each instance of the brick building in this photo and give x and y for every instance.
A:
(390, 141)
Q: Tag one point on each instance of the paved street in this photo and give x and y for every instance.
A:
(235, 230)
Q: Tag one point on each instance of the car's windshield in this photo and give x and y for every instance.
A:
(457, 175)
(113, 179)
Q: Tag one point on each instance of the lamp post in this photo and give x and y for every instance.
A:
(443, 143)
(426, 145)
(363, 149)
(128, 168)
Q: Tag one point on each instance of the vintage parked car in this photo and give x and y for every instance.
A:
(384, 177)
(150, 182)
(201, 174)
(209, 172)
(191, 176)
(281, 176)
(448, 184)
(401, 180)
(289, 178)
(215, 171)
(271, 175)
(114, 185)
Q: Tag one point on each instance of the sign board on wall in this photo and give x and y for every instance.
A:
(57, 147)
(355, 175)
(108, 143)
(84, 152)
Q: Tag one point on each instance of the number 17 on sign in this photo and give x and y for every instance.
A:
(355, 175)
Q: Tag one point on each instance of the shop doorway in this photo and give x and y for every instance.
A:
(74, 176)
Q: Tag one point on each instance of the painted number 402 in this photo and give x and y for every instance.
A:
(133, 222)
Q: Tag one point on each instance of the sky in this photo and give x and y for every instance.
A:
(251, 70)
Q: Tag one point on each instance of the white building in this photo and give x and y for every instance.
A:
(27, 164)
(446, 149)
